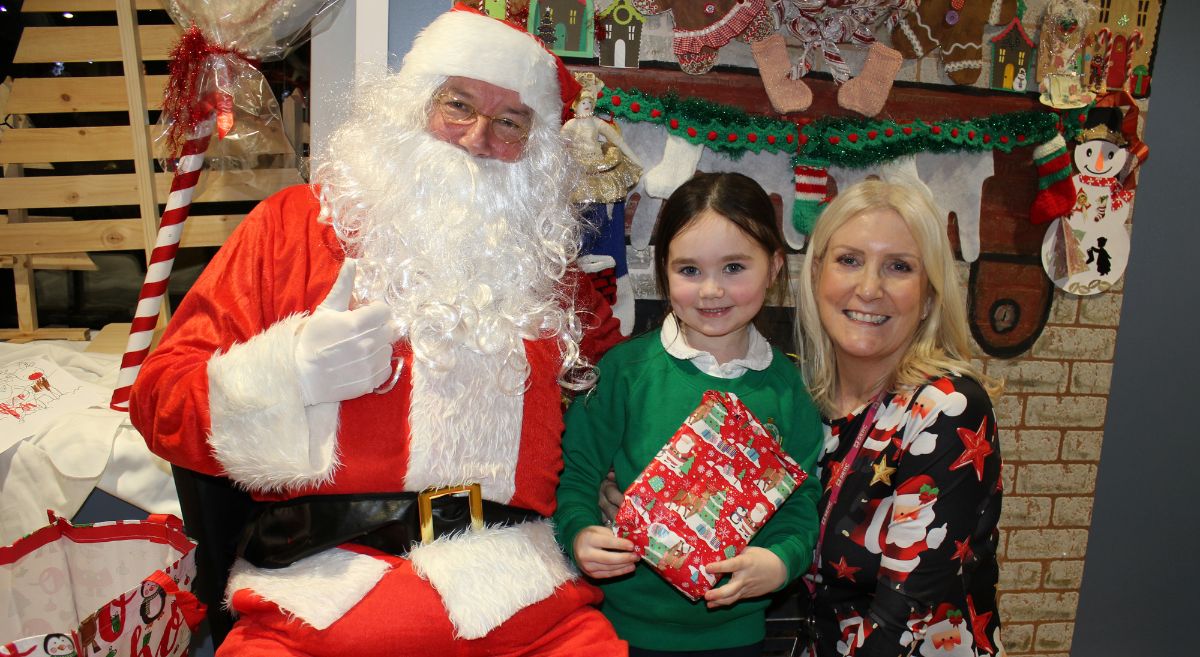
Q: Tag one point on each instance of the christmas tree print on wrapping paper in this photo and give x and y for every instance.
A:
(714, 484)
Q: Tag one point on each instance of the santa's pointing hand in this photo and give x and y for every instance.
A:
(343, 353)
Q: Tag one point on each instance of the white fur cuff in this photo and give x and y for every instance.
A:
(262, 433)
(486, 577)
(318, 590)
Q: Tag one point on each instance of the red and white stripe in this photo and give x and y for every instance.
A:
(1132, 45)
(162, 259)
(812, 183)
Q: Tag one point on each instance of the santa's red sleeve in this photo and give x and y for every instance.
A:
(601, 330)
(268, 273)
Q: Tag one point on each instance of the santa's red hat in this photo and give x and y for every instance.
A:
(922, 485)
(466, 43)
(947, 612)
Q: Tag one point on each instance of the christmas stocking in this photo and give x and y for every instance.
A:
(867, 93)
(1056, 190)
(954, 26)
(786, 95)
(812, 193)
(678, 164)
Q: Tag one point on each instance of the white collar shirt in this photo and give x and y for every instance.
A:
(758, 355)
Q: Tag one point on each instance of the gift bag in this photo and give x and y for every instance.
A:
(114, 589)
(706, 493)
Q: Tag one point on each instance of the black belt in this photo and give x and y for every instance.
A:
(285, 532)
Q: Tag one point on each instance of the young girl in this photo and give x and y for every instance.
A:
(717, 251)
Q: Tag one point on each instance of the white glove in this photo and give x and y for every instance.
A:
(342, 353)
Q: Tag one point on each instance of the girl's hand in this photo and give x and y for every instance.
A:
(599, 554)
(611, 497)
(757, 571)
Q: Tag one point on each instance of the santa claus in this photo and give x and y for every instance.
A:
(380, 355)
(947, 634)
(898, 527)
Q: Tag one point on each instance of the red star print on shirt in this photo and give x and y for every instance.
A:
(962, 550)
(975, 448)
(979, 623)
(845, 570)
(835, 470)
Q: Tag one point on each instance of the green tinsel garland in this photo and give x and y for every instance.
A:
(841, 141)
(722, 128)
(857, 143)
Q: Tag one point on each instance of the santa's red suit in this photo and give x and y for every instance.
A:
(219, 396)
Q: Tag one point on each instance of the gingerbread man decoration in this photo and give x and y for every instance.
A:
(956, 28)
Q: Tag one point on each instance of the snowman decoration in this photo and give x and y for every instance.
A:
(1086, 251)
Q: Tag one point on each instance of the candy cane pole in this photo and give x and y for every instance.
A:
(162, 258)
(1100, 59)
(1132, 45)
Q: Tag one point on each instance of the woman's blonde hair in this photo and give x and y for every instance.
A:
(942, 343)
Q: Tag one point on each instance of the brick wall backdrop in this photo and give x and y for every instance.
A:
(1052, 424)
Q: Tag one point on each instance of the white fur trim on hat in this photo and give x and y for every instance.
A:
(470, 45)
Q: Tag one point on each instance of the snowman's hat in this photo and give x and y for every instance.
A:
(1104, 124)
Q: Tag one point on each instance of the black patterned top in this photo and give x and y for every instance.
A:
(908, 564)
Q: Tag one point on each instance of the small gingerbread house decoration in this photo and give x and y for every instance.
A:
(1014, 59)
(569, 23)
(619, 34)
(1133, 25)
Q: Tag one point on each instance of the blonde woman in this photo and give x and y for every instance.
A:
(906, 554)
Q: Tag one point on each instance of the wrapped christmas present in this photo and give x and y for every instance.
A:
(706, 493)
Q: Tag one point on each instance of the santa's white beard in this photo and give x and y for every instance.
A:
(465, 252)
(906, 533)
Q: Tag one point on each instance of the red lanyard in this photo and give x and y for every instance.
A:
(839, 480)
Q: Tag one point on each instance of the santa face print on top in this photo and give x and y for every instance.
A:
(899, 528)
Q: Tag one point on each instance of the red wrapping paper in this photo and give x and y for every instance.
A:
(706, 493)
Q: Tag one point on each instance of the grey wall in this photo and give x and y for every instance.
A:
(1140, 577)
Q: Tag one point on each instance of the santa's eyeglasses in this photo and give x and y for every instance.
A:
(508, 129)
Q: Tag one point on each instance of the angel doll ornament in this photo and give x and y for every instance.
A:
(1086, 251)
(609, 169)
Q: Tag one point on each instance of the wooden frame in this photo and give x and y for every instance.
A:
(29, 242)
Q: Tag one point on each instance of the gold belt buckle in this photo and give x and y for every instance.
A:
(425, 507)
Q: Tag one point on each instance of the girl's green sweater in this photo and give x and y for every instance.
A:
(642, 397)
